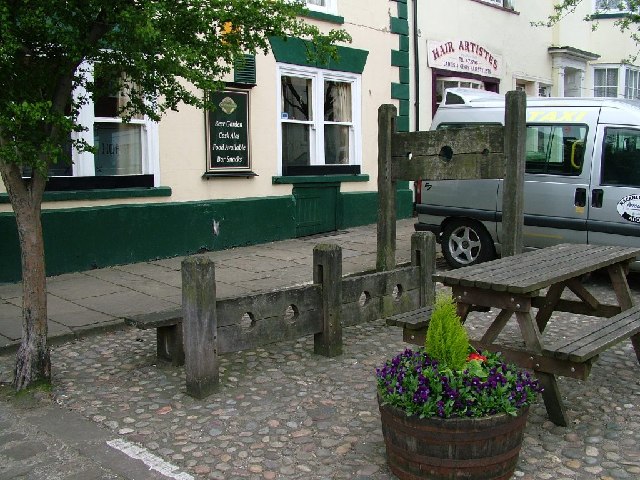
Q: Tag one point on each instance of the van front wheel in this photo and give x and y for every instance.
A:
(465, 242)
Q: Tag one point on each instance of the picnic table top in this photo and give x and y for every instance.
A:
(529, 272)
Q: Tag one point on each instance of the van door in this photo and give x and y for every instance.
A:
(614, 214)
(558, 171)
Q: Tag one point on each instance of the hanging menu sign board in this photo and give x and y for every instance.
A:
(228, 132)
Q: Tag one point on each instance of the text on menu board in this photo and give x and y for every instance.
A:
(229, 131)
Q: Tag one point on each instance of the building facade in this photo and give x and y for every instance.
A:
(291, 151)
(492, 45)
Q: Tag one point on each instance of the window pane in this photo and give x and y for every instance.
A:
(118, 149)
(439, 91)
(615, 5)
(605, 82)
(555, 149)
(63, 168)
(320, 3)
(611, 92)
(337, 101)
(296, 98)
(336, 144)
(632, 83)
(621, 157)
(295, 144)
(112, 96)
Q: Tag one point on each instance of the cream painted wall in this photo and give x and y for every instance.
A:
(182, 134)
(183, 161)
(605, 40)
(523, 48)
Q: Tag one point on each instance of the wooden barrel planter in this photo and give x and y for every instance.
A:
(484, 448)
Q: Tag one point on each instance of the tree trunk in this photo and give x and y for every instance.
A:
(33, 362)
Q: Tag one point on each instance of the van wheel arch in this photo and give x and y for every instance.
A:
(465, 241)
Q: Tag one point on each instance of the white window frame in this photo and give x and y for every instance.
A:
(622, 89)
(619, 86)
(632, 91)
(83, 162)
(610, 7)
(502, 3)
(330, 6)
(318, 77)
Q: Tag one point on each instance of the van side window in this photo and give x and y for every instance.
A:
(621, 157)
(555, 149)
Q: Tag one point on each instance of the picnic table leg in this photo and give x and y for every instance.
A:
(552, 398)
(618, 277)
(583, 294)
(551, 394)
(549, 305)
(496, 327)
(462, 310)
(635, 341)
(530, 332)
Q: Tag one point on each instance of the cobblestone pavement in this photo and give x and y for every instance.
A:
(283, 412)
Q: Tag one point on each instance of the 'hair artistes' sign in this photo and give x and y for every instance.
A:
(228, 132)
(464, 56)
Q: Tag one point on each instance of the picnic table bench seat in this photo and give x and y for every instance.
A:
(587, 343)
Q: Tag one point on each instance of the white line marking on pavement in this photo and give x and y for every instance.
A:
(149, 459)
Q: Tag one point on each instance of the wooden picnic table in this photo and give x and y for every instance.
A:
(513, 285)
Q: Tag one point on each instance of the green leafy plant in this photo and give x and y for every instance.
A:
(448, 378)
(447, 340)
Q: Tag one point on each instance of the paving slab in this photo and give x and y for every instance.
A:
(10, 290)
(145, 269)
(70, 314)
(10, 320)
(126, 303)
(76, 287)
(80, 303)
(56, 444)
(232, 272)
(226, 290)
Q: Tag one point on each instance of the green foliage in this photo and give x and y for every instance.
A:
(447, 340)
(418, 385)
(164, 48)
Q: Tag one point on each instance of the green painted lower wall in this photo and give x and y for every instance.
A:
(86, 238)
(361, 208)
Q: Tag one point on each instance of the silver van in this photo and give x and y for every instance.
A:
(582, 180)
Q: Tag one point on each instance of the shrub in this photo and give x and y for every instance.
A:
(447, 341)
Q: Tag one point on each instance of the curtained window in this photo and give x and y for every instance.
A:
(318, 117)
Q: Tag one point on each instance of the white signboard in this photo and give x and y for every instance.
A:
(629, 208)
(464, 56)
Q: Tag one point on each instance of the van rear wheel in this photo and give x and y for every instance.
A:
(465, 242)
